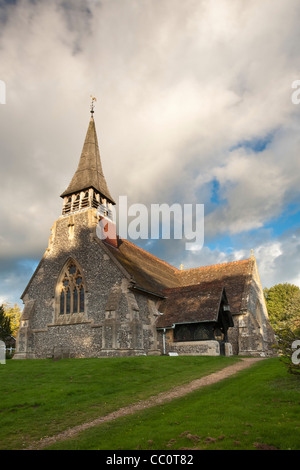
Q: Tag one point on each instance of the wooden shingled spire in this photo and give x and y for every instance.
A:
(89, 173)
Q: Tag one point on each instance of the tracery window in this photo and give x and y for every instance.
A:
(71, 291)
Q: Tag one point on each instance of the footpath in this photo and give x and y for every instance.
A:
(152, 401)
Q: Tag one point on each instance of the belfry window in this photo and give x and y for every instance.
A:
(71, 291)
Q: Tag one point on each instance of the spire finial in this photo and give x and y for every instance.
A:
(92, 104)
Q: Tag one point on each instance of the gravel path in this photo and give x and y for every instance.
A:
(152, 401)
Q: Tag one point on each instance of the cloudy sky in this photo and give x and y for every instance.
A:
(193, 106)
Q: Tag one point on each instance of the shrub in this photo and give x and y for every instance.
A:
(289, 348)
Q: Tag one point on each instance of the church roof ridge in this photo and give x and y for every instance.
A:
(202, 287)
(218, 265)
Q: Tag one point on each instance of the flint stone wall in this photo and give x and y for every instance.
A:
(128, 328)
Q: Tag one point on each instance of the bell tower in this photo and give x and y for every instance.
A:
(88, 187)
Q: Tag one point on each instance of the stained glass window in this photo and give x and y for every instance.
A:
(71, 292)
(72, 269)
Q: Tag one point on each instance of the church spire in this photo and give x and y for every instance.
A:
(88, 187)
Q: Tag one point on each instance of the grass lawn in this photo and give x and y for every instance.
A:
(41, 398)
(257, 409)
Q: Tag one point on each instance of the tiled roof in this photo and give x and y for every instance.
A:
(148, 271)
(235, 277)
(197, 303)
(153, 274)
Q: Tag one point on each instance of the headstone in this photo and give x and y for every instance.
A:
(2, 353)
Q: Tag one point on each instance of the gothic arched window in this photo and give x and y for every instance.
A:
(71, 290)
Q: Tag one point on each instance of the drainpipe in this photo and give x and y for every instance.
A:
(164, 330)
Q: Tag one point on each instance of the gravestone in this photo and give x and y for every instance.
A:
(2, 353)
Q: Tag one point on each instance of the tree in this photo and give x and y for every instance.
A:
(5, 324)
(289, 349)
(14, 313)
(283, 304)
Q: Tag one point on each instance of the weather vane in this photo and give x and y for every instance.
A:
(92, 104)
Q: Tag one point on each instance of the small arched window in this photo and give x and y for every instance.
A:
(71, 291)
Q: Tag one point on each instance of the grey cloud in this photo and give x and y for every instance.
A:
(179, 86)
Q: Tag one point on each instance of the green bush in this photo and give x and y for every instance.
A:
(10, 355)
(289, 349)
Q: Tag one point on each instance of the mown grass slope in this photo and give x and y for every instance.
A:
(41, 398)
(259, 408)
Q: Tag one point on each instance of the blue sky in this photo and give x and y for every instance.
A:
(193, 106)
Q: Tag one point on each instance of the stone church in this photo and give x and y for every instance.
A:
(100, 298)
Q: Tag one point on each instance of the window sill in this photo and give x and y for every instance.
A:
(69, 321)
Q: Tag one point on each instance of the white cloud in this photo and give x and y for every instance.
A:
(180, 87)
